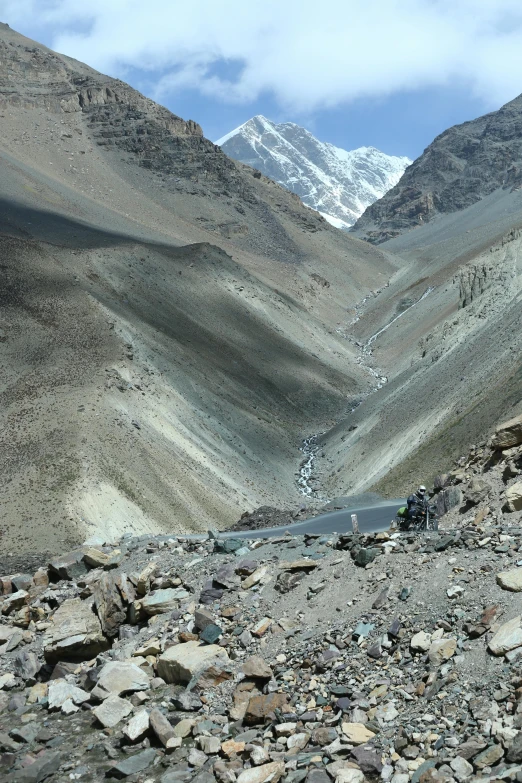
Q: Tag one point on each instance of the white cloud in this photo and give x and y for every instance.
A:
(307, 54)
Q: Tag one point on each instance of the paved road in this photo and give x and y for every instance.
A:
(372, 518)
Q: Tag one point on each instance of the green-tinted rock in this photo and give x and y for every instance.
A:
(366, 556)
(211, 634)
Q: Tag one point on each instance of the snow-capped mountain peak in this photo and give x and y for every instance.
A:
(338, 183)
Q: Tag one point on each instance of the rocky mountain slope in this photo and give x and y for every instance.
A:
(460, 167)
(168, 325)
(339, 184)
(451, 349)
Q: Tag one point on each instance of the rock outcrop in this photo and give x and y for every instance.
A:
(463, 165)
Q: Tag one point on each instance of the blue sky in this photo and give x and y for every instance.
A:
(387, 73)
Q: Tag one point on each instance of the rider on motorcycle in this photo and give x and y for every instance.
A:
(416, 501)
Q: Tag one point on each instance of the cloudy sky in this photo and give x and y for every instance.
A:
(388, 73)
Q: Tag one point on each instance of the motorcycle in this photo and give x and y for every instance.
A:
(424, 518)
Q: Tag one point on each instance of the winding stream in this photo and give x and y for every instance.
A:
(310, 446)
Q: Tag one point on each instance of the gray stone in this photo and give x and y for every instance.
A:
(183, 772)
(477, 491)
(515, 749)
(420, 642)
(209, 745)
(462, 769)
(22, 582)
(316, 775)
(508, 434)
(133, 764)
(112, 711)
(266, 773)
(488, 757)
(69, 566)
(471, 747)
(163, 601)
(228, 545)
(511, 580)
(447, 499)
(161, 726)
(109, 605)
(428, 764)
(25, 733)
(61, 691)
(15, 601)
(366, 556)
(182, 662)
(75, 633)
(26, 664)
(256, 667)
(442, 650)
(202, 618)
(514, 497)
(226, 576)
(196, 757)
(120, 677)
(211, 634)
(14, 640)
(210, 594)
(42, 768)
(508, 637)
(368, 759)
(138, 726)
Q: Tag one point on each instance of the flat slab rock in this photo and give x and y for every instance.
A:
(508, 637)
(511, 580)
(267, 773)
(112, 711)
(180, 663)
(120, 677)
(75, 633)
(134, 764)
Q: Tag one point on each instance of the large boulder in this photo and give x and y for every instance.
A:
(442, 650)
(511, 580)
(120, 677)
(75, 633)
(357, 733)
(266, 773)
(69, 566)
(261, 708)
(508, 434)
(109, 605)
(508, 637)
(163, 601)
(447, 499)
(477, 491)
(182, 662)
(514, 497)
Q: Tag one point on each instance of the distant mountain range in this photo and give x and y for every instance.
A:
(338, 183)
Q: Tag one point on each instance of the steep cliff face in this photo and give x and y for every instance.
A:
(462, 166)
(31, 75)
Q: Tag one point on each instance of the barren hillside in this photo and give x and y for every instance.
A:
(168, 317)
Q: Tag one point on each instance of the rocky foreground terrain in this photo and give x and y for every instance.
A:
(324, 659)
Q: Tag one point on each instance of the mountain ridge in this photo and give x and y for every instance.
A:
(337, 183)
(463, 165)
